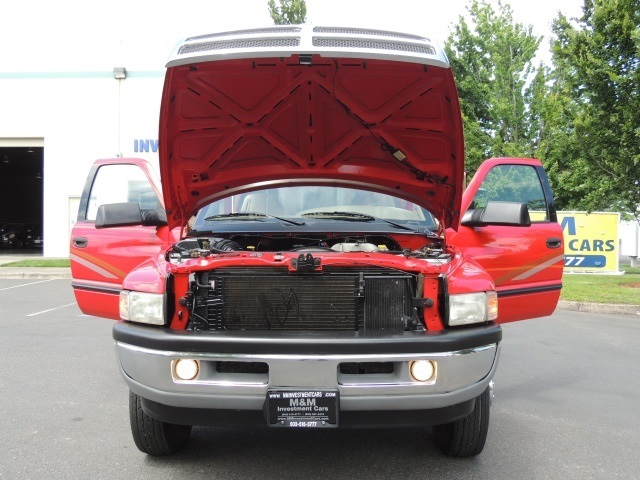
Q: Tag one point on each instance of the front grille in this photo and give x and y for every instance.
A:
(365, 368)
(377, 300)
(268, 42)
(254, 32)
(242, 367)
(349, 43)
(367, 31)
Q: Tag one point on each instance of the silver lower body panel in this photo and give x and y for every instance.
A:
(460, 376)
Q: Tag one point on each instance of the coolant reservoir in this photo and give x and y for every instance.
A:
(355, 247)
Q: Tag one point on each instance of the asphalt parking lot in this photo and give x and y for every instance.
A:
(566, 407)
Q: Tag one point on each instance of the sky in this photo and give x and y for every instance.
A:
(74, 35)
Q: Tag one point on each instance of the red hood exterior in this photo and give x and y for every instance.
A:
(233, 125)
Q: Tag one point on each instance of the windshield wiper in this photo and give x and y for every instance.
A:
(355, 217)
(249, 216)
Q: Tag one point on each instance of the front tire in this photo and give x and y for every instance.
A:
(466, 437)
(152, 436)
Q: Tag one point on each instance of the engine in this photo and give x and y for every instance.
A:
(204, 246)
(366, 297)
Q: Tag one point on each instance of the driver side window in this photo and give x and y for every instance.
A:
(514, 183)
(120, 183)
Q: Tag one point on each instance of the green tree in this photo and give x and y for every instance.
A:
(551, 127)
(288, 11)
(491, 59)
(597, 65)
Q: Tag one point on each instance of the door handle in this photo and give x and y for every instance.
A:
(80, 242)
(554, 242)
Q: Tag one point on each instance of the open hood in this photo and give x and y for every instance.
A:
(303, 105)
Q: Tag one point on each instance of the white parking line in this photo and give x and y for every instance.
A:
(50, 310)
(27, 284)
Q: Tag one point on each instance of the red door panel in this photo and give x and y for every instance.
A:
(525, 263)
(101, 258)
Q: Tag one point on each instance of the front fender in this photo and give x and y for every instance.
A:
(149, 276)
(467, 276)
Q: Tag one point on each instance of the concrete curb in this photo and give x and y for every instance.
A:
(600, 308)
(35, 273)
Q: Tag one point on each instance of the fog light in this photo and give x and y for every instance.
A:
(423, 370)
(186, 369)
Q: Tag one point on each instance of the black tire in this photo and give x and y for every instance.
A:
(466, 437)
(152, 436)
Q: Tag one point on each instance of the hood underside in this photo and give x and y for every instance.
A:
(231, 125)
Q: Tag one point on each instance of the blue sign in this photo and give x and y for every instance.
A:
(585, 261)
(145, 145)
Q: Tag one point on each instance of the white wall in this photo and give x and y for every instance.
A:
(630, 239)
(77, 114)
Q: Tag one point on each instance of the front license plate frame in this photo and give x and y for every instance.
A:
(308, 408)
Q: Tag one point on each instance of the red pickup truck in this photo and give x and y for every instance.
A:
(311, 258)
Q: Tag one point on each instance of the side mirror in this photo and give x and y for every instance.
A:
(510, 214)
(128, 214)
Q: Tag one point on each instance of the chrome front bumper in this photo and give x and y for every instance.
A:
(462, 375)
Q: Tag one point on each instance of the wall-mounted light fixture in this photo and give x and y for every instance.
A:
(119, 73)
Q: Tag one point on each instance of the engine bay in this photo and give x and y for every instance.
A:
(201, 246)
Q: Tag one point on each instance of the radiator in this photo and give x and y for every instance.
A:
(337, 299)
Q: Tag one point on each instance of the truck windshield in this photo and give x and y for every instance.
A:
(320, 203)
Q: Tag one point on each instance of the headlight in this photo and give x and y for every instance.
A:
(471, 308)
(142, 307)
